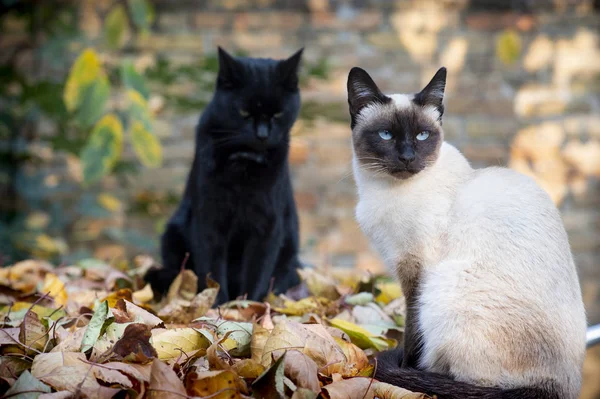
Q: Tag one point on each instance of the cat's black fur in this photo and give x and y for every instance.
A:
(237, 218)
(389, 370)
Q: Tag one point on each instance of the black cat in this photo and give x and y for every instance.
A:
(237, 218)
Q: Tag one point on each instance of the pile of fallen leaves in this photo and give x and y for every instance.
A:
(95, 330)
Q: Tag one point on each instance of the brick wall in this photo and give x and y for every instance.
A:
(533, 104)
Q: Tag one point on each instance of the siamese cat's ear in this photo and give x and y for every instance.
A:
(362, 91)
(288, 70)
(433, 93)
(228, 76)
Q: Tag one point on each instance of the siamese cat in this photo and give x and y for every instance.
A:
(495, 308)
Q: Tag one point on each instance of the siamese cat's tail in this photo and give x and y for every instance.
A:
(444, 387)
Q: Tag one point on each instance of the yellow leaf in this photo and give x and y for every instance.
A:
(138, 108)
(85, 71)
(362, 337)
(319, 284)
(185, 286)
(306, 305)
(146, 145)
(248, 368)
(113, 297)
(170, 344)
(508, 47)
(388, 292)
(109, 202)
(144, 295)
(54, 287)
(223, 384)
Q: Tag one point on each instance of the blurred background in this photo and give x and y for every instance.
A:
(99, 100)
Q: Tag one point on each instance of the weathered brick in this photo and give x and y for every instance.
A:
(497, 21)
(268, 20)
(211, 20)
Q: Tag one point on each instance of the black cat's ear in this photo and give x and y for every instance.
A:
(288, 70)
(433, 93)
(228, 70)
(362, 91)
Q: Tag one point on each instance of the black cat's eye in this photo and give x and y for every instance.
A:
(244, 113)
(278, 115)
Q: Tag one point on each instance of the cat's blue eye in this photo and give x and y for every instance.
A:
(244, 113)
(384, 134)
(423, 135)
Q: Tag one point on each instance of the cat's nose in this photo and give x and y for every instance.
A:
(407, 156)
(262, 131)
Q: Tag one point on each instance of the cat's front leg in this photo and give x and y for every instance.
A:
(258, 264)
(208, 252)
(409, 273)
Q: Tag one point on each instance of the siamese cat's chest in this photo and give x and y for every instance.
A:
(404, 224)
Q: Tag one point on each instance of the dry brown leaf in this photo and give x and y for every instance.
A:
(140, 372)
(26, 275)
(71, 341)
(136, 314)
(135, 345)
(164, 383)
(185, 286)
(367, 388)
(32, 333)
(258, 341)
(218, 358)
(311, 339)
(318, 284)
(144, 295)
(67, 371)
(356, 360)
(222, 384)
(302, 370)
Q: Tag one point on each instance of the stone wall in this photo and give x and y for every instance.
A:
(523, 90)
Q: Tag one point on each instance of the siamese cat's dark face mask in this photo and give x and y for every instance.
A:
(398, 134)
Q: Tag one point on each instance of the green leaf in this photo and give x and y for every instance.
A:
(508, 47)
(102, 149)
(93, 99)
(361, 337)
(142, 13)
(133, 80)
(85, 71)
(138, 109)
(270, 383)
(95, 327)
(146, 146)
(27, 387)
(239, 339)
(115, 27)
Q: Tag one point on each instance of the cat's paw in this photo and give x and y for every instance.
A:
(160, 279)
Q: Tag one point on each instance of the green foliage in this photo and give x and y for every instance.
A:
(103, 149)
(133, 80)
(142, 13)
(94, 112)
(116, 27)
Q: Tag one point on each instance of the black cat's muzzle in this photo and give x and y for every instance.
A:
(259, 157)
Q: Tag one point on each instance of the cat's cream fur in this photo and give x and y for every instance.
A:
(499, 298)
